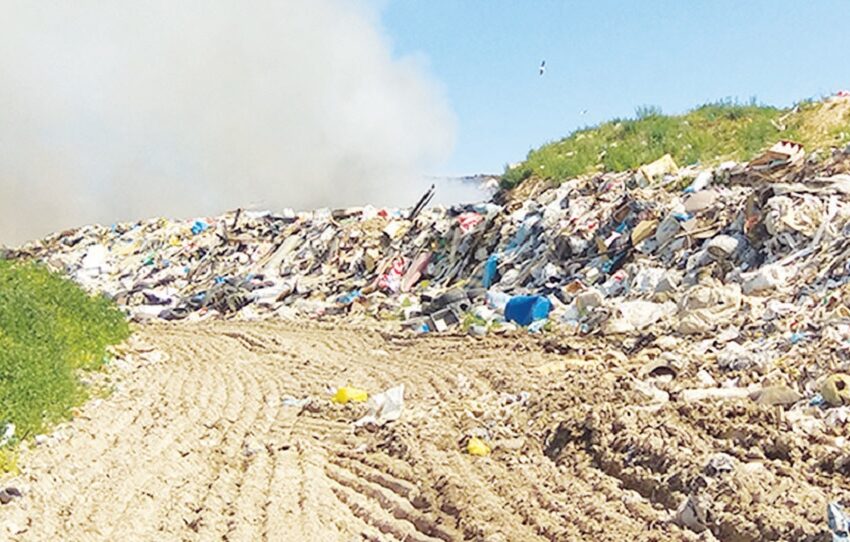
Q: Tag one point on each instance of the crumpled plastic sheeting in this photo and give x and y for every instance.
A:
(638, 315)
(384, 407)
(768, 277)
(706, 307)
(802, 214)
(839, 522)
(737, 357)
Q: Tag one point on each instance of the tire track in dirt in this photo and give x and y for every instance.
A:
(213, 520)
(168, 467)
(113, 469)
(200, 446)
(250, 510)
(384, 495)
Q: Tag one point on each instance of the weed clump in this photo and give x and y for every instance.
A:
(49, 330)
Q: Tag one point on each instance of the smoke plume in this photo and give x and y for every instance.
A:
(123, 110)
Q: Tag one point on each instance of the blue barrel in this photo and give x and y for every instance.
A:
(524, 309)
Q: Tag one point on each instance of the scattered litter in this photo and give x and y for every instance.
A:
(781, 154)
(384, 407)
(719, 464)
(692, 395)
(8, 434)
(836, 389)
(724, 300)
(692, 514)
(776, 396)
(477, 447)
(651, 172)
(527, 309)
(768, 277)
(838, 521)
(347, 394)
(705, 307)
(290, 401)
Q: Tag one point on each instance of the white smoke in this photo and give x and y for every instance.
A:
(122, 110)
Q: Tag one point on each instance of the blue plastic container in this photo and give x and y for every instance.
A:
(525, 309)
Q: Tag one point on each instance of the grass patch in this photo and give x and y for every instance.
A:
(49, 329)
(708, 134)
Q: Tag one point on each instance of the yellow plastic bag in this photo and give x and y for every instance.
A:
(478, 447)
(347, 394)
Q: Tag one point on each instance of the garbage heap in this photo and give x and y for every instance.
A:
(738, 250)
(714, 284)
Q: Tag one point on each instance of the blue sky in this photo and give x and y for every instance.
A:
(608, 58)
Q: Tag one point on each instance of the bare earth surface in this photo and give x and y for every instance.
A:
(196, 443)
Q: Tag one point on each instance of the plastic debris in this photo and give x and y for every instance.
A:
(733, 292)
(391, 280)
(702, 180)
(350, 297)
(766, 278)
(838, 521)
(347, 394)
(836, 390)
(718, 393)
(527, 309)
(692, 514)
(8, 433)
(384, 407)
(722, 246)
(289, 401)
(569, 244)
(705, 307)
(477, 447)
(199, 227)
(662, 166)
(468, 221)
(638, 315)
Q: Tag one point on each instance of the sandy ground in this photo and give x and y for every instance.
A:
(196, 443)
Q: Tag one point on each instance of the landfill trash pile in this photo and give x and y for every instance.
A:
(703, 296)
(685, 251)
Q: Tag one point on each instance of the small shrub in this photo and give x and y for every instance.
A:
(647, 111)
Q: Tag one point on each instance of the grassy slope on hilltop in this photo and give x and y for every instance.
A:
(707, 134)
(49, 328)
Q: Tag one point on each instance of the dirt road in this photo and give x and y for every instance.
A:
(196, 443)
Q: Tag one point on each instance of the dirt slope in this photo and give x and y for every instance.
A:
(195, 443)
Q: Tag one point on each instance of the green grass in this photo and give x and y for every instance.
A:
(49, 329)
(707, 134)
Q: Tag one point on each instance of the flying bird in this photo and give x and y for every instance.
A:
(542, 67)
(584, 111)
